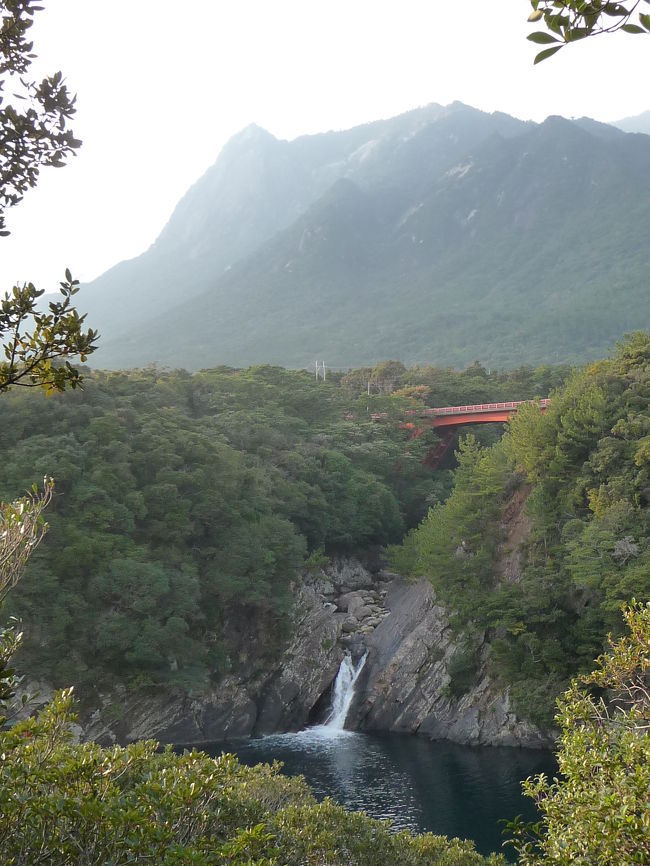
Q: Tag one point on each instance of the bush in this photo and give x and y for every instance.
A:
(598, 810)
(462, 669)
(63, 803)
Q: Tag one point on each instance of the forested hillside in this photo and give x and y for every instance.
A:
(583, 470)
(187, 504)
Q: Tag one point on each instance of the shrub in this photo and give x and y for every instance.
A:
(63, 803)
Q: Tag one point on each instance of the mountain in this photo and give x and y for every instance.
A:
(638, 123)
(442, 235)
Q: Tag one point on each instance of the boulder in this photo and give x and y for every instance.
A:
(350, 624)
(349, 601)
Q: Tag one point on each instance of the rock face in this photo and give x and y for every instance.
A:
(406, 679)
(404, 686)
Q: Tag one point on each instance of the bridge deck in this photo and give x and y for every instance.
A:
(476, 413)
(476, 408)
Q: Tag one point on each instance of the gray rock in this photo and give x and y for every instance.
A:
(388, 576)
(406, 675)
(348, 575)
(323, 586)
(349, 601)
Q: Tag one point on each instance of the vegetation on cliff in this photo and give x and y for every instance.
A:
(584, 467)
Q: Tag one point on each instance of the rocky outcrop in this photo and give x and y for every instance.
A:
(405, 686)
(407, 681)
(514, 530)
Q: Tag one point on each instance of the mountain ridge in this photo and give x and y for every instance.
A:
(442, 235)
(638, 123)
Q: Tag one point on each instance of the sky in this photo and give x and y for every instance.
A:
(163, 85)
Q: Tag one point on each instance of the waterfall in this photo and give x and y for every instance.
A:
(319, 738)
(344, 692)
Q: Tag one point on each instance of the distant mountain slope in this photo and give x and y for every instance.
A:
(638, 123)
(260, 185)
(443, 235)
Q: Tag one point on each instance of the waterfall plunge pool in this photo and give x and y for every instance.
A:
(419, 785)
(423, 786)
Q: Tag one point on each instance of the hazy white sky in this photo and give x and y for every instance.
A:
(162, 85)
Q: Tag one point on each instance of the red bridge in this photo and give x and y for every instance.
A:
(479, 413)
(455, 416)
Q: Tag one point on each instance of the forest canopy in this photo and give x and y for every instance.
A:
(183, 501)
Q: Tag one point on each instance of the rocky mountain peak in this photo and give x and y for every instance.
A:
(411, 237)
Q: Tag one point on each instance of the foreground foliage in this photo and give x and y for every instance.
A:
(599, 810)
(571, 20)
(62, 803)
(583, 470)
(33, 130)
(22, 529)
(37, 344)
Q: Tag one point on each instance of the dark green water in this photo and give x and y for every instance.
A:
(419, 785)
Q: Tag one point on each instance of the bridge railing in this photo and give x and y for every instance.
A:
(474, 409)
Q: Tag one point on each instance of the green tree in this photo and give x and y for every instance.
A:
(570, 20)
(33, 115)
(598, 810)
(37, 344)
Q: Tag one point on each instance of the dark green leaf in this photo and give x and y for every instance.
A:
(541, 38)
(547, 52)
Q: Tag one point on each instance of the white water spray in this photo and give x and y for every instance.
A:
(329, 734)
(344, 692)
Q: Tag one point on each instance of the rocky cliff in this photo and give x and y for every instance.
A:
(406, 685)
